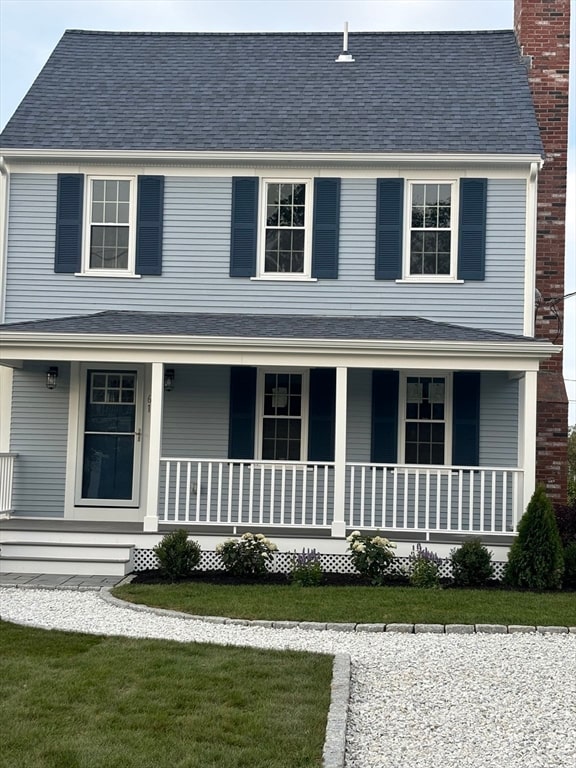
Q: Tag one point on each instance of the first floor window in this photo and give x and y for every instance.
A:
(282, 416)
(286, 235)
(425, 420)
(110, 204)
(430, 235)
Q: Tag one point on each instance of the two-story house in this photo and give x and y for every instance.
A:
(269, 282)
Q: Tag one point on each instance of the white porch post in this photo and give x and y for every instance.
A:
(154, 446)
(527, 436)
(339, 520)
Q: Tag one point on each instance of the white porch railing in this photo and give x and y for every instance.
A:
(208, 491)
(6, 477)
(428, 499)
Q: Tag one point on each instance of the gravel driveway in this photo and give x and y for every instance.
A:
(439, 701)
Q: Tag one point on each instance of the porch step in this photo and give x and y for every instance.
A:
(66, 558)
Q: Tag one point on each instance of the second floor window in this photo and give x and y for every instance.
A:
(286, 245)
(110, 227)
(431, 231)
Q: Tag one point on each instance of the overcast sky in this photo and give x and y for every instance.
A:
(30, 29)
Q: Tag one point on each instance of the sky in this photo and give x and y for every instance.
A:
(30, 29)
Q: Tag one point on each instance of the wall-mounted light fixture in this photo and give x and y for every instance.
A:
(168, 379)
(51, 376)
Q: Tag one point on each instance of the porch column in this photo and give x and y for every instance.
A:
(154, 446)
(527, 436)
(339, 520)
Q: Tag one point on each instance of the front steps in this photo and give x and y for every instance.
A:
(69, 557)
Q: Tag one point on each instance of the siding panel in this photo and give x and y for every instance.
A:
(196, 249)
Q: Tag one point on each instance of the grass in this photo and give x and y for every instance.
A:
(78, 701)
(358, 604)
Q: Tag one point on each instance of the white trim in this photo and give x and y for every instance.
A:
(530, 254)
(87, 270)
(527, 432)
(340, 429)
(447, 421)
(156, 406)
(262, 217)
(4, 209)
(134, 502)
(304, 409)
(436, 178)
(277, 158)
(6, 375)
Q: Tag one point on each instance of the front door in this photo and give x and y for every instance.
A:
(111, 439)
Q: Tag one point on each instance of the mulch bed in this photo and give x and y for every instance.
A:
(153, 576)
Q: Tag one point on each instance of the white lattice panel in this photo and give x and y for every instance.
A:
(145, 559)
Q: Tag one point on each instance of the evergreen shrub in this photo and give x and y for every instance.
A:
(471, 564)
(177, 555)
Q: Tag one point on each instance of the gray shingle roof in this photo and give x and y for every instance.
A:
(405, 92)
(262, 327)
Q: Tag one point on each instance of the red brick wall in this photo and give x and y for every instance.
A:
(543, 32)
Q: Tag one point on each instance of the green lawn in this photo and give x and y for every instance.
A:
(358, 604)
(79, 701)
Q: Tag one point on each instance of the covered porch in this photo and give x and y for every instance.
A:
(309, 426)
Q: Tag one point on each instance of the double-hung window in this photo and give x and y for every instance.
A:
(425, 437)
(431, 230)
(110, 230)
(286, 229)
(283, 399)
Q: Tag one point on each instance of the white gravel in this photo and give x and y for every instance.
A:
(439, 701)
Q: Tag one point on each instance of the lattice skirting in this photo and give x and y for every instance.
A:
(210, 561)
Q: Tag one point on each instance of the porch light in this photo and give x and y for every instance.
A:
(51, 376)
(169, 379)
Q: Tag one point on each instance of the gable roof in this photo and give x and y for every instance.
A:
(462, 92)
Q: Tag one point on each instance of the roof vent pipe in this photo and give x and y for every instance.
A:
(345, 56)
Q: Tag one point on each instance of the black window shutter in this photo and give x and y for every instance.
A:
(321, 415)
(69, 212)
(325, 234)
(389, 222)
(244, 234)
(466, 419)
(385, 387)
(242, 413)
(149, 225)
(472, 229)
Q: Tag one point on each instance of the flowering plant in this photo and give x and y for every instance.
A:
(306, 568)
(423, 570)
(249, 555)
(371, 555)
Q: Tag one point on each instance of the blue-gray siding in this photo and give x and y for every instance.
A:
(498, 420)
(39, 432)
(196, 263)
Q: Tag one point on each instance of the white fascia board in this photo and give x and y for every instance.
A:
(275, 351)
(298, 158)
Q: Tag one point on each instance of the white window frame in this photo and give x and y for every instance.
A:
(448, 407)
(130, 271)
(452, 277)
(304, 412)
(306, 274)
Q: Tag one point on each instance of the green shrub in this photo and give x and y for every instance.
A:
(569, 581)
(247, 556)
(423, 568)
(565, 515)
(306, 570)
(536, 560)
(371, 555)
(471, 564)
(178, 555)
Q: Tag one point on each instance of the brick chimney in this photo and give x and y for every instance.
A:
(543, 32)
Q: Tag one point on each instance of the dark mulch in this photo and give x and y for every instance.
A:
(222, 577)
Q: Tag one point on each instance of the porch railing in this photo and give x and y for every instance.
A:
(433, 498)
(388, 497)
(246, 492)
(6, 478)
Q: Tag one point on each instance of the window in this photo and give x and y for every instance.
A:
(431, 236)
(425, 434)
(110, 236)
(282, 425)
(286, 233)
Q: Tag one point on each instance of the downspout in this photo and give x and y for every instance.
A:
(530, 286)
(5, 372)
